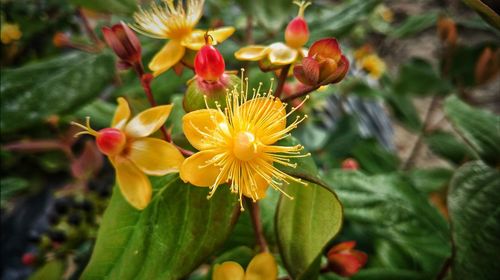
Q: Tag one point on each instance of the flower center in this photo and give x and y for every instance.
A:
(245, 147)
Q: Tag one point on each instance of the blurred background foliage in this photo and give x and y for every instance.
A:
(425, 132)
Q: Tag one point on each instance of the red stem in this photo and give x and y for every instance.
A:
(282, 80)
(301, 93)
(257, 225)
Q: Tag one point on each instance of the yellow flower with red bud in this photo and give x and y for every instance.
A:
(124, 43)
(279, 54)
(9, 33)
(132, 153)
(237, 144)
(176, 23)
(211, 83)
(324, 64)
(344, 260)
(262, 267)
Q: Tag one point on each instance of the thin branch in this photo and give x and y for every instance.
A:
(90, 32)
(257, 226)
(282, 80)
(301, 93)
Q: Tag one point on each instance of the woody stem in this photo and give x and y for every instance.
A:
(282, 80)
(257, 225)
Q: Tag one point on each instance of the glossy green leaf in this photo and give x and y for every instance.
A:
(479, 128)
(373, 158)
(404, 111)
(305, 225)
(167, 240)
(473, 203)
(485, 10)
(52, 270)
(447, 146)
(32, 93)
(415, 24)
(430, 180)
(411, 77)
(387, 207)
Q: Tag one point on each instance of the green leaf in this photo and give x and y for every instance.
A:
(305, 225)
(388, 208)
(404, 111)
(430, 180)
(479, 128)
(486, 11)
(373, 158)
(9, 186)
(108, 6)
(100, 112)
(473, 203)
(415, 24)
(389, 274)
(167, 240)
(32, 93)
(418, 77)
(446, 145)
(338, 21)
(52, 270)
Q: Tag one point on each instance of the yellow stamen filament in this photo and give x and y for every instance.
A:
(86, 128)
(238, 147)
(302, 7)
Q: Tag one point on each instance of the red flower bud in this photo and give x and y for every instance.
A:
(110, 141)
(209, 63)
(350, 164)
(124, 43)
(297, 32)
(346, 261)
(28, 259)
(325, 64)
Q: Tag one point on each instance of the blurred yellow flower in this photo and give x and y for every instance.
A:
(385, 13)
(237, 144)
(169, 21)
(373, 65)
(262, 267)
(133, 154)
(280, 54)
(9, 33)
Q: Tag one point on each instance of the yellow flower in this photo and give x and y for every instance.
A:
(372, 64)
(133, 154)
(385, 13)
(280, 54)
(262, 267)
(9, 33)
(237, 144)
(169, 21)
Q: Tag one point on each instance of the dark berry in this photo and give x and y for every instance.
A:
(53, 218)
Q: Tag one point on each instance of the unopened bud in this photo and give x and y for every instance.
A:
(350, 164)
(110, 141)
(447, 30)
(345, 260)
(124, 43)
(209, 63)
(297, 31)
(487, 66)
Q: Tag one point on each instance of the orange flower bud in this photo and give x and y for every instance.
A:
(60, 40)
(325, 64)
(110, 141)
(346, 261)
(124, 43)
(209, 63)
(487, 66)
(297, 32)
(447, 30)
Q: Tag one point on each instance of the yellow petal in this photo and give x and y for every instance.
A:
(197, 123)
(154, 156)
(196, 171)
(134, 185)
(148, 121)
(261, 188)
(122, 114)
(196, 39)
(252, 53)
(281, 54)
(269, 115)
(167, 57)
(262, 267)
(228, 271)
